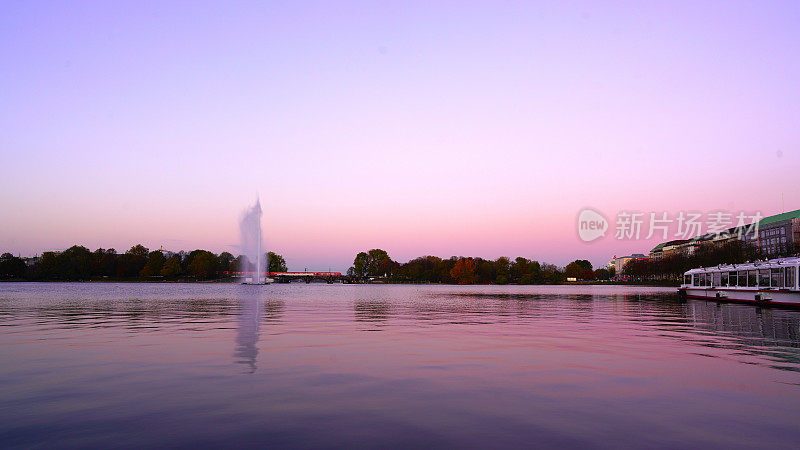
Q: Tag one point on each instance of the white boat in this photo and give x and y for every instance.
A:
(773, 281)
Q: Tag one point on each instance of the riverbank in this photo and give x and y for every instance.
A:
(233, 280)
(674, 284)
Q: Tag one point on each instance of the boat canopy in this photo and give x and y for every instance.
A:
(755, 265)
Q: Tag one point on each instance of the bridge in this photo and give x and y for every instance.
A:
(288, 277)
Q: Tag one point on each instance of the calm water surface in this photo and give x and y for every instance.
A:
(183, 365)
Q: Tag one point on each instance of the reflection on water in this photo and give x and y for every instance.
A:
(249, 322)
(247, 330)
(273, 311)
(770, 334)
(371, 310)
(90, 365)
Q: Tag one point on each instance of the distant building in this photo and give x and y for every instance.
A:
(31, 260)
(670, 247)
(619, 263)
(777, 234)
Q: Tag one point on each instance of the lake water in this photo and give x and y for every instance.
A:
(183, 365)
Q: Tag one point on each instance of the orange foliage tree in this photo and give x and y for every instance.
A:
(463, 272)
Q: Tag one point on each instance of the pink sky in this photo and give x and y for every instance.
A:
(478, 129)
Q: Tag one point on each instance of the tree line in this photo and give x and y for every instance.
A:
(138, 263)
(376, 264)
(672, 267)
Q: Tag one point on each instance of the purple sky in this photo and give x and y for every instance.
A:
(456, 129)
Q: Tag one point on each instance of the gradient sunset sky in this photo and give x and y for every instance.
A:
(444, 128)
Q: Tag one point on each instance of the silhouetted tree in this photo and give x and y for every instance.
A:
(502, 266)
(75, 263)
(374, 263)
(203, 265)
(12, 267)
(48, 267)
(226, 262)
(139, 250)
(155, 262)
(580, 269)
(276, 262)
(132, 262)
(602, 274)
(671, 267)
(551, 274)
(361, 264)
(172, 267)
(106, 261)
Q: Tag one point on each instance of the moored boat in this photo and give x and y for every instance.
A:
(773, 281)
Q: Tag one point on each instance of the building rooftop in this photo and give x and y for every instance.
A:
(635, 255)
(779, 217)
(765, 221)
(672, 242)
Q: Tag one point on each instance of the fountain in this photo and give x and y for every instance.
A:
(250, 228)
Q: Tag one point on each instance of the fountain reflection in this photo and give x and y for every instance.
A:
(247, 329)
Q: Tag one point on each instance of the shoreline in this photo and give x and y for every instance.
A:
(232, 281)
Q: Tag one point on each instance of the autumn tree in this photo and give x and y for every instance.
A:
(423, 269)
(463, 272)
